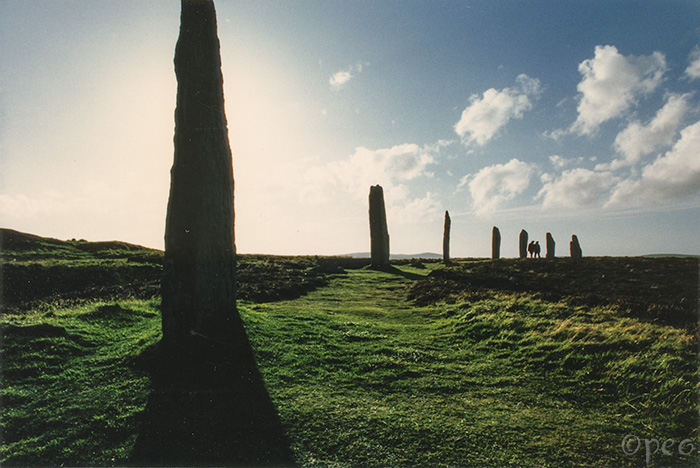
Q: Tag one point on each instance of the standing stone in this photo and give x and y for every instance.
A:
(198, 286)
(550, 246)
(495, 244)
(575, 247)
(378, 231)
(523, 243)
(446, 239)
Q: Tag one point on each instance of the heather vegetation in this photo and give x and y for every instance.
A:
(527, 362)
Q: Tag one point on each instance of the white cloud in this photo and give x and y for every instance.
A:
(342, 77)
(612, 83)
(560, 162)
(638, 140)
(487, 114)
(557, 161)
(496, 184)
(414, 209)
(389, 167)
(693, 70)
(576, 187)
(395, 169)
(672, 176)
(339, 79)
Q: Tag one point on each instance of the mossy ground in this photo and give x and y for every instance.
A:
(374, 368)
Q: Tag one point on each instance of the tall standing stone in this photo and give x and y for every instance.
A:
(550, 246)
(198, 286)
(523, 243)
(378, 231)
(446, 239)
(495, 243)
(575, 247)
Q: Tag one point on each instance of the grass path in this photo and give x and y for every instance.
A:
(362, 377)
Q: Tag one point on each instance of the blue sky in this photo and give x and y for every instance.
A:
(563, 117)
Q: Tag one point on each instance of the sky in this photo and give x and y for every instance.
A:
(567, 117)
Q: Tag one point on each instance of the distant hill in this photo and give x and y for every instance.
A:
(670, 255)
(15, 241)
(394, 256)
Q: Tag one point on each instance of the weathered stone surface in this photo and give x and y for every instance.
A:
(378, 231)
(575, 247)
(550, 246)
(198, 286)
(446, 239)
(495, 243)
(523, 243)
(209, 405)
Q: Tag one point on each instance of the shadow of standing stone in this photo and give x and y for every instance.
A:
(208, 405)
(208, 411)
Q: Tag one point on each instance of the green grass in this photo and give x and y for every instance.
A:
(362, 377)
(71, 394)
(480, 364)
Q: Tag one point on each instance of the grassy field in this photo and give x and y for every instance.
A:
(506, 363)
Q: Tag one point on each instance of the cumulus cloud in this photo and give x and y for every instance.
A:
(389, 167)
(638, 140)
(339, 79)
(612, 83)
(672, 176)
(496, 184)
(487, 114)
(560, 162)
(576, 188)
(395, 169)
(693, 70)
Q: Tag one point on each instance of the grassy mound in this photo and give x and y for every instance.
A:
(39, 270)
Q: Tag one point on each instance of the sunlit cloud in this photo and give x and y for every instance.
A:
(693, 70)
(339, 79)
(612, 83)
(487, 114)
(576, 188)
(638, 140)
(672, 176)
(389, 167)
(560, 162)
(493, 185)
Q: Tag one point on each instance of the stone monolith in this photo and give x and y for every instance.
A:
(523, 243)
(495, 243)
(550, 246)
(446, 239)
(575, 247)
(378, 231)
(198, 286)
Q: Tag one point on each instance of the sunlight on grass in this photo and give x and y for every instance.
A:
(71, 374)
(365, 373)
(499, 381)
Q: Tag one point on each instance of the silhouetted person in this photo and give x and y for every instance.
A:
(534, 249)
